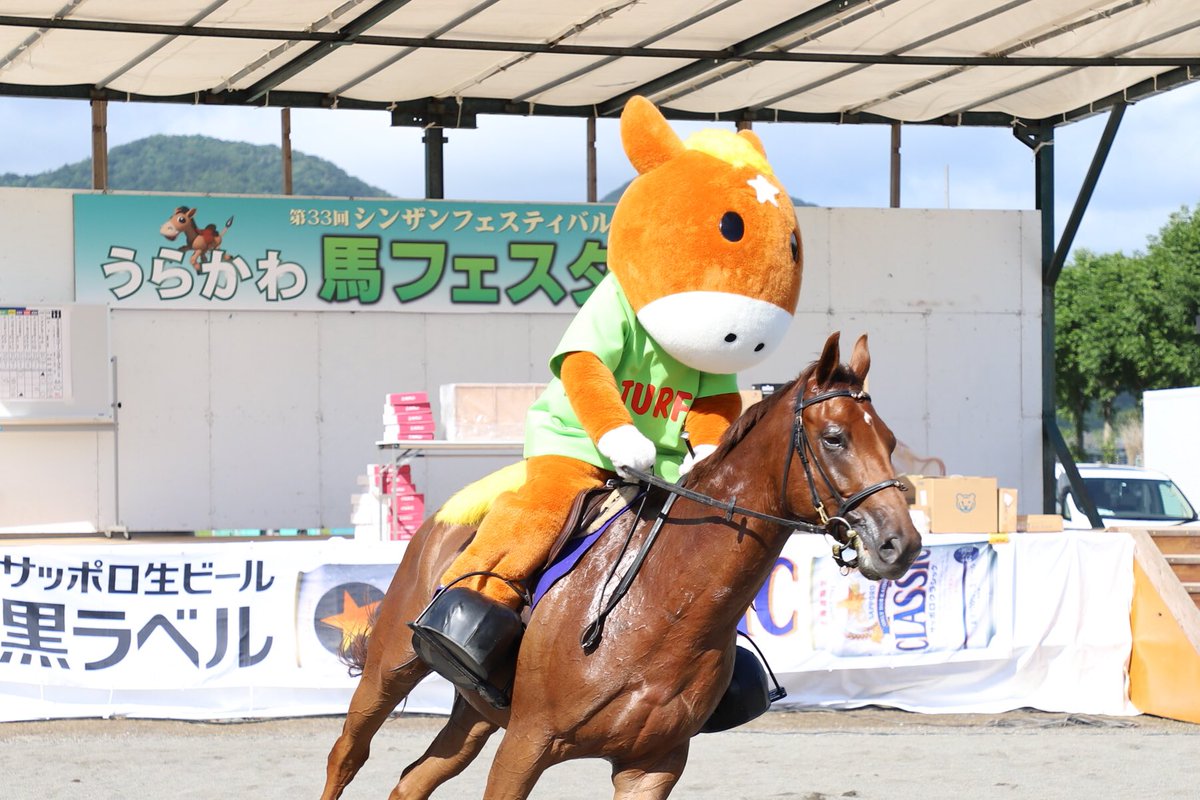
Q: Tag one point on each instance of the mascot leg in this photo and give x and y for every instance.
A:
(470, 632)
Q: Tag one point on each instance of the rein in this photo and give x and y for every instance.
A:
(846, 539)
(837, 527)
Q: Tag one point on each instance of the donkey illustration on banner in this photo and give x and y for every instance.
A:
(199, 240)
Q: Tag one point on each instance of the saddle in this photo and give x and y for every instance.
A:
(591, 514)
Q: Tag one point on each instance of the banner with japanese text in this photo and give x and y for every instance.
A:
(298, 254)
(252, 629)
(191, 631)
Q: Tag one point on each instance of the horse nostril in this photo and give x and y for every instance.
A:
(758, 347)
(889, 552)
(731, 337)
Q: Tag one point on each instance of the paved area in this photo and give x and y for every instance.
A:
(869, 754)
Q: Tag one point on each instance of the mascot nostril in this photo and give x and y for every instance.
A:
(731, 337)
(758, 348)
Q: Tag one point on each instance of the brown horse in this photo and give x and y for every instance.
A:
(667, 651)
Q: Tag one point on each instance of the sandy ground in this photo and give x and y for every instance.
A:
(812, 755)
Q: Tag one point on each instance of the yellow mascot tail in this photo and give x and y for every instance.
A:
(470, 504)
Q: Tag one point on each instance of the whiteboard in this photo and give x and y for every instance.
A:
(55, 365)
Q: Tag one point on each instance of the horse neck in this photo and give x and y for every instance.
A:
(750, 474)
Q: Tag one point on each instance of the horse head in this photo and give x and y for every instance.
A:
(182, 221)
(830, 455)
(709, 250)
(843, 450)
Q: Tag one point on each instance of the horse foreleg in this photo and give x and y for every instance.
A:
(649, 780)
(520, 761)
(379, 692)
(454, 748)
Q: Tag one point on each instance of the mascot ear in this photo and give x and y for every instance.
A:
(648, 139)
(752, 137)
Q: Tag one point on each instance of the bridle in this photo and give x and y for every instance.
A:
(802, 447)
(845, 538)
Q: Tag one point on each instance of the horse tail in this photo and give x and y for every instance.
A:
(353, 650)
(353, 653)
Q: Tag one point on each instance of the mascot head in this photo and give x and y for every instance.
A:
(704, 243)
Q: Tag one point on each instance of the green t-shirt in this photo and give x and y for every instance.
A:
(657, 389)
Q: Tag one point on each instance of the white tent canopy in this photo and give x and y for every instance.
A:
(946, 61)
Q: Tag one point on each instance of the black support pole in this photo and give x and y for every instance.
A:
(1054, 256)
(1043, 158)
(435, 185)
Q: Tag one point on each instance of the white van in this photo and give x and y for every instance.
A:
(1124, 495)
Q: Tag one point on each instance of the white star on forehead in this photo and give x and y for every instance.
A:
(867, 417)
(764, 190)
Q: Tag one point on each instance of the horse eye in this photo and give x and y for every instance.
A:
(833, 441)
(732, 227)
(795, 244)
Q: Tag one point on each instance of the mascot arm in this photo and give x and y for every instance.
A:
(709, 416)
(592, 391)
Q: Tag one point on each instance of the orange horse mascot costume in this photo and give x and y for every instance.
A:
(704, 264)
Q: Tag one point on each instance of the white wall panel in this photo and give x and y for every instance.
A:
(164, 387)
(37, 258)
(266, 419)
(265, 391)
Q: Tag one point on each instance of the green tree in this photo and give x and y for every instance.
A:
(1127, 324)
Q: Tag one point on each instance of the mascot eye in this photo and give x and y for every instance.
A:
(732, 227)
(795, 245)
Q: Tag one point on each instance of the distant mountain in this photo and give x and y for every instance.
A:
(616, 193)
(200, 165)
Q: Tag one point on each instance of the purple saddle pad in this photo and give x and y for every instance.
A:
(569, 556)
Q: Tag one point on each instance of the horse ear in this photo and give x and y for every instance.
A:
(646, 136)
(827, 364)
(860, 360)
(191, 212)
(752, 137)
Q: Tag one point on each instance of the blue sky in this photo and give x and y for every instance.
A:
(1152, 171)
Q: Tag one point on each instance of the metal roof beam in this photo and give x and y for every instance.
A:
(476, 106)
(812, 17)
(142, 56)
(1138, 91)
(1023, 44)
(727, 54)
(1071, 68)
(690, 21)
(407, 51)
(1103, 147)
(355, 28)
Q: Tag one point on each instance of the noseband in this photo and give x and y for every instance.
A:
(838, 527)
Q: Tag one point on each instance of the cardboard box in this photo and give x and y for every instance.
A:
(406, 398)
(1006, 510)
(957, 504)
(473, 412)
(1039, 523)
(750, 397)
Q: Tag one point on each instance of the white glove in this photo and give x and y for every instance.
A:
(626, 446)
(703, 451)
